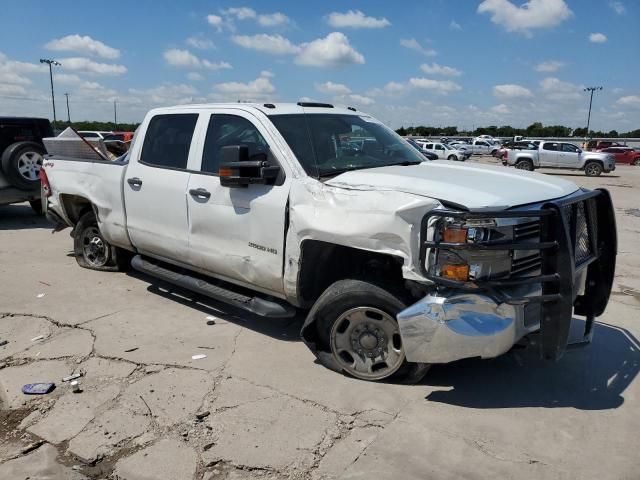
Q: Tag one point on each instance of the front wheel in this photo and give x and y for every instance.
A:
(636, 162)
(452, 157)
(92, 251)
(593, 169)
(356, 320)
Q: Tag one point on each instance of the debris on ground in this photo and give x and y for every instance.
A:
(40, 295)
(129, 350)
(199, 356)
(39, 337)
(73, 376)
(38, 388)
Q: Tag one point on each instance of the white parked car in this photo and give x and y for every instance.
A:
(444, 151)
(94, 134)
(399, 263)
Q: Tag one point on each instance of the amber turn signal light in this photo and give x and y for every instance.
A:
(225, 172)
(455, 235)
(455, 272)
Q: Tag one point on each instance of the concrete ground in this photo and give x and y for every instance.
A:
(259, 406)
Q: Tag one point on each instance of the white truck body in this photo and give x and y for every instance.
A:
(260, 237)
(444, 151)
(560, 155)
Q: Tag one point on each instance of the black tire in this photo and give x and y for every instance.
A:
(21, 163)
(452, 157)
(636, 162)
(36, 205)
(593, 169)
(525, 165)
(92, 251)
(380, 307)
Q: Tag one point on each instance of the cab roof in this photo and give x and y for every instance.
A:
(272, 108)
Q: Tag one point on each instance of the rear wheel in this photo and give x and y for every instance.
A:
(525, 165)
(593, 169)
(93, 251)
(21, 163)
(356, 321)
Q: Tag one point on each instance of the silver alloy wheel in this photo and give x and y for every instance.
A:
(593, 170)
(29, 165)
(365, 341)
(94, 248)
(524, 165)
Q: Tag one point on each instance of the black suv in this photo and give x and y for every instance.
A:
(21, 156)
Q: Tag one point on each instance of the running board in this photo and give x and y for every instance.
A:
(257, 305)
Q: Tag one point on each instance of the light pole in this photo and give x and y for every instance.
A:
(590, 89)
(51, 62)
(68, 114)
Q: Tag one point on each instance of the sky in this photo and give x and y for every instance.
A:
(466, 63)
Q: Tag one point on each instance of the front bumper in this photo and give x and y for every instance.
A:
(486, 318)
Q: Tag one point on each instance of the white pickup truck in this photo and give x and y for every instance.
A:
(560, 155)
(399, 263)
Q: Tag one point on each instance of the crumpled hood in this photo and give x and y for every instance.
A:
(475, 186)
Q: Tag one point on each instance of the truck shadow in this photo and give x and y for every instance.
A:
(591, 378)
(21, 217)
(286, 329)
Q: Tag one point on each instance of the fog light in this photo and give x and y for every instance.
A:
(454, 235)
(455, 272)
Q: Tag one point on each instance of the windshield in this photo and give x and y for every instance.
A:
(329, 144)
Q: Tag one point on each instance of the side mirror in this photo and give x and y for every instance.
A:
(237, 169)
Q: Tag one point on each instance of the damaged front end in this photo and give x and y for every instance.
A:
(558, 259)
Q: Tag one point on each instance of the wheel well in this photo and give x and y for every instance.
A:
(75, 206)
(324, 263)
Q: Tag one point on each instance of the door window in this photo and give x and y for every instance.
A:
(439, 147)
(569, 148)
(168, 140)
(550, 146)
(227, 130)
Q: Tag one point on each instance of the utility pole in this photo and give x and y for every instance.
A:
(51, 62)
(68, 114)
(115, 115)
(590, 89)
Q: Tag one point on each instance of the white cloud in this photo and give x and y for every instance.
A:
(360, 99)
(501, 109)
(257, 88)
(87, 65)
(528, 16)
(549, 66)
(12, 90)
(176, 57)
(194, 76)
(391, 88)
(83, 44)
(511, 91)
(435, 69)
(455, 25)
(437, 86)
(332, 51)
(273, 19)
(169, 93)
(331, 88)
(617, 7)
(355, 19)
(273, 44)
(629, 101)
(555, 89)
(216, 21)
(200, 43)
(413, 44)
(241, 13)
(597, 38)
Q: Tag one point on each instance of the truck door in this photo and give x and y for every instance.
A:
(155, 187)
(569, 156)
(238, 234)
(440, 151)
(548, 154)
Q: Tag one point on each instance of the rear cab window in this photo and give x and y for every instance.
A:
(168, 140)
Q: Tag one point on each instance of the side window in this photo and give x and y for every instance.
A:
(168, 139)
(428, 146)
(439, 147)
(89, 135)
(226, 130)
(550, 146)
(567, 147)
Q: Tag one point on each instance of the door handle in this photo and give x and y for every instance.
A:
(200, 193)
(134, 182)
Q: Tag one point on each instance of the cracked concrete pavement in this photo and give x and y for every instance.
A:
(259, 406)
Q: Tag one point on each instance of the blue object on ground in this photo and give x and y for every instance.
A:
(37, 388)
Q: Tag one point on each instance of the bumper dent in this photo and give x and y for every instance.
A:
(444, 329)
